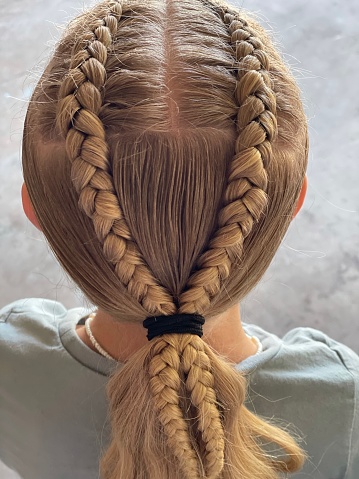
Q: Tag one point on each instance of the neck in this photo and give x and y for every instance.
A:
(223, 333)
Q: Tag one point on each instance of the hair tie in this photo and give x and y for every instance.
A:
(174, 323)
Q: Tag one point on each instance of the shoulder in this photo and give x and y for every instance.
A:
(308, 357)
(309, 368)
(321, 350)
(30, 323)
(333, 368)
(30, 313)
(31, 306)
(312, 382)
(306, 348)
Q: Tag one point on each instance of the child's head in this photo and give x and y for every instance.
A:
(173, 149)
(164, 151)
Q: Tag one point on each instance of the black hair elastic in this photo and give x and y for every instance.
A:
(175, 323)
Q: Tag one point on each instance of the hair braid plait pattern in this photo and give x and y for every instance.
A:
(165, 386)
(245, 196)
(80, 101)
(200, 384)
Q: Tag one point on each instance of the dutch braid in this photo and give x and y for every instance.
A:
(200, 384)
(165, 385)
(80, 101)
(187, 353)
(245, 195)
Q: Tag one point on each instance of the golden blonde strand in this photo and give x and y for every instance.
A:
(80, 101)
(165, 383)
(245, 195)
(200, 384)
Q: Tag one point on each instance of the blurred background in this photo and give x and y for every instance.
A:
(314, 279)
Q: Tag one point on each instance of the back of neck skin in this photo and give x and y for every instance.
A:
(225, 334)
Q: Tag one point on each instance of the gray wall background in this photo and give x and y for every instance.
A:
(314, 279)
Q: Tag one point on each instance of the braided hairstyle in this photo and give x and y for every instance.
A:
(80, 102)
(177, 408)
(244, 198)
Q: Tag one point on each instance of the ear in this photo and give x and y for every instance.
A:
(27, 206)
(301, 197)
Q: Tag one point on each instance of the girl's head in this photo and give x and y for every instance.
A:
(164, 152)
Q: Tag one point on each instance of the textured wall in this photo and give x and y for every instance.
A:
(314, 279)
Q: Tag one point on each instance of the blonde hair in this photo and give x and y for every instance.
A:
(164, 151)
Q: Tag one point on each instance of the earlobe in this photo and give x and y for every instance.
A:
(301, 197)
(27, 206)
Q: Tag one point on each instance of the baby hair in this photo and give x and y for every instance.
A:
(164, 151)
